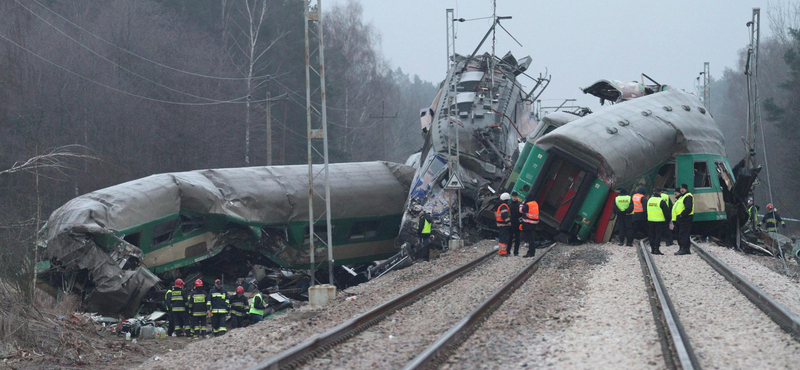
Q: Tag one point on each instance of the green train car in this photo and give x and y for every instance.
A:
(663, 139)
(217, 223)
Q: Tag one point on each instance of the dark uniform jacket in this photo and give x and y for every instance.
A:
(772, 219)
(218, 300)
(239, 305)
(198, 304)
(515, 214)
(177, 300)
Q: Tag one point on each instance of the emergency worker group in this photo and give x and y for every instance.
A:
(656, 216)
(516, 221)
(189, 311)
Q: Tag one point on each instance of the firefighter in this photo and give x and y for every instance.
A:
(516, 227)
(218, 304)
(529, 219)
(257, 308)
(657, 215)
(239, 308)
(624, 211)
(684, 215)
(503, 218)
(176, 305)
(771, 219)
(639, 217)
(198, 306)
(668, 238)
(171, 324)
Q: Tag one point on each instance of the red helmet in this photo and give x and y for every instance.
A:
(218, 281)
(769, 207)
(179, 283)
(239, 289)
(198, 283)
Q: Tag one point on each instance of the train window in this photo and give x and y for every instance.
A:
(549, 129)
(724, 175)
(321, 232)
(191, 223)
(702, 179)
(134, 238)
(162, 231)
(364, 230)
(666, 176)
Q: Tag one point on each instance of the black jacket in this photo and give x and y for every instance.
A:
(218, 300)
(515, 214)
(198, 304)
(239, 305)
(177, 300)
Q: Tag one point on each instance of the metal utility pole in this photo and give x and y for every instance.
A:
(320, 132)
(269, 128)
(751, 70)
(707, 86)
(451, 35)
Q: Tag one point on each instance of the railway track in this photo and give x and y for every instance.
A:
(306, 351)
(675, 343)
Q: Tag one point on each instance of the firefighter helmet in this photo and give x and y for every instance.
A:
(198, 283)
(179, 283)
(770, 207)
(239, 289)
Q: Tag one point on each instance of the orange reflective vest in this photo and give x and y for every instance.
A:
(503, 219)
(532, 216)
(637, 203)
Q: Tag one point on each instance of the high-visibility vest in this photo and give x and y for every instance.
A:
(623, 201)
(665, 197)
(752, 214)
(654, 212)
(532, 216)
(679, 207)
(167, 299)
(253, 309)
(498, 215)
(426, 229)
(637, 203)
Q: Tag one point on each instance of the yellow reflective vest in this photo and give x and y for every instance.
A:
(679, 207)
(654, 212)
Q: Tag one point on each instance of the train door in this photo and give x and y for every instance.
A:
(559, 190)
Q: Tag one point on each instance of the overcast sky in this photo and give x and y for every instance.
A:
(578, 42)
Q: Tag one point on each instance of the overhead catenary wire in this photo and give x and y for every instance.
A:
(145, 58)
(237, 100)
(48, 61)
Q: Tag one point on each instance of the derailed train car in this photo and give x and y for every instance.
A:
(113, 245)
(653, 136)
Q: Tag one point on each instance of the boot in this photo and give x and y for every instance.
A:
(655, 250)
(682, 251)
(531, 253)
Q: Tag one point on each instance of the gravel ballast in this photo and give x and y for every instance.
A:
(528, 329)
(726, 330)
(241, 348)
(402, 336)
(779, 286)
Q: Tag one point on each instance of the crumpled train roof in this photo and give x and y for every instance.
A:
(268, 195)
(629, 138)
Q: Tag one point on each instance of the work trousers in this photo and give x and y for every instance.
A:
(254, 318)
(641, 228)
(530, 237)
(657, 232)
(514, 239)
(171, 325)
(199, 325)
(503, 239)
(237, 321)
(684, 231)
(218, 323)
(625, 229)
(180, 320)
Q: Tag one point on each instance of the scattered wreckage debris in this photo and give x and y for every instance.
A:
(114, 246)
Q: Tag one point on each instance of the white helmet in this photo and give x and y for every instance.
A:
(505, 196)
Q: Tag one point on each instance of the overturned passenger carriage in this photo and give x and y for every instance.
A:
(653, 136)
(113, 245)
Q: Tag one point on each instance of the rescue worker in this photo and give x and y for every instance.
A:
(624, 211)
(771, 219)
(176, 304)
(684, 215)
(171, 321)
(639, 217)
(516, 227)
(657, 216)
(198, 306)
(218, 304)
(669, 240)
(503, 218)
(530, 217)
(675, 225)
(426, 237)
(752, 214)
(257, 308)
(239, 308)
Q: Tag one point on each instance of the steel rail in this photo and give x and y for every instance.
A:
(316, 345)
(437, 352)
(677, 349)
(785, 318)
